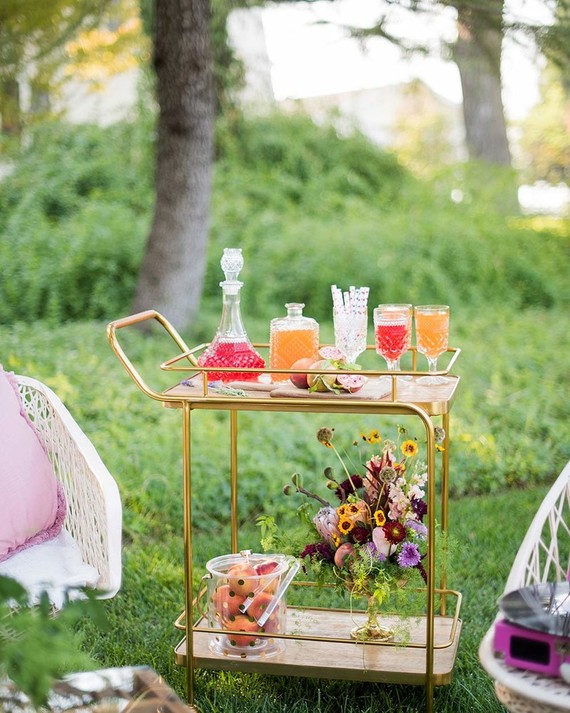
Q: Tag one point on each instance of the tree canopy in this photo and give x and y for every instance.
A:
(31, 30)
(96, 37)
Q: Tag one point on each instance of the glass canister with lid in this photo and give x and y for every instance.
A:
(246, 603)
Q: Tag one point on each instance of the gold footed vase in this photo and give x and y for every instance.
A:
(372, 629)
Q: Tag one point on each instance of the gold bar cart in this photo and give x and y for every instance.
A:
(428, 658)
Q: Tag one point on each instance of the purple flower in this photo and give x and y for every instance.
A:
(409, 555)
(418, 527)
(371, 549)
(419, 507)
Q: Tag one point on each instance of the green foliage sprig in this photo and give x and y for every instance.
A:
(38, 646)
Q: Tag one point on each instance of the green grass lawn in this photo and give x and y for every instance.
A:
(509, 430)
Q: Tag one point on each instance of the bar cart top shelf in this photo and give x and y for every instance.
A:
(382, 391)
(435, 400)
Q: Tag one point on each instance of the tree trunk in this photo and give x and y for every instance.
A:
(172, 271)
(10, 113)
(478, 57)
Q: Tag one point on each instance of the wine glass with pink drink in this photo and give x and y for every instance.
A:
(392, 332)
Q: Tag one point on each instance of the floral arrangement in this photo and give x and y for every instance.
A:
(372, 537)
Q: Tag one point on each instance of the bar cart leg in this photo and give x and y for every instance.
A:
(445, 473)
(188, 596)
(430, 629)
(444, 502)
(234, 478)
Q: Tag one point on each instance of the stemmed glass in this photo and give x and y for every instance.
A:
(432, 332)
(350, 319)
(393, 332)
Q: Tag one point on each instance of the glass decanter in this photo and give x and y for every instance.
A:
(231, 346)
(292, 338)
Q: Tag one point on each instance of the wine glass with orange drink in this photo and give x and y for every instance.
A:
(432, 333)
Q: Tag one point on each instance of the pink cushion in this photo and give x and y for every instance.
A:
(32, 502)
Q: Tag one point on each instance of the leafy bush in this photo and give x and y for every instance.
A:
(309, 209)
(305, 156)
(72, 224)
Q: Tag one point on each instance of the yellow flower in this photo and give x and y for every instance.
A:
(380, 518)
(355, 512)
(409, 448)
(439, 448)
(373, 437)
(335, 540)
(345, 525)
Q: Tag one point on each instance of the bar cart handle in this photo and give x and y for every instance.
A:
(112, 329)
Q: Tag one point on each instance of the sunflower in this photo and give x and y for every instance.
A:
(380, 518)
(345, 525)
(409, 448)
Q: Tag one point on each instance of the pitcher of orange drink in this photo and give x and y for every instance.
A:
(292, 338)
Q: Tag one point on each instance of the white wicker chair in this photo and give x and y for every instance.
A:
(544, 556)
(94, 513)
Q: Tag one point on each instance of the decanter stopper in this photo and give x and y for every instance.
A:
(232, 263)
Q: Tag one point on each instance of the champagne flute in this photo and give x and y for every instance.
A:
(393, 332)
(432, 332)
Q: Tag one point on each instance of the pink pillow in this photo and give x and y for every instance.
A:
(32, 502)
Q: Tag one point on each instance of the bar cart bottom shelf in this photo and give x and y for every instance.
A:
(345, 660)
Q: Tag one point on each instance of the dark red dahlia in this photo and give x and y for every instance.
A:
(360, 534)
(346, 487)
(318, 551)
(395, 532)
